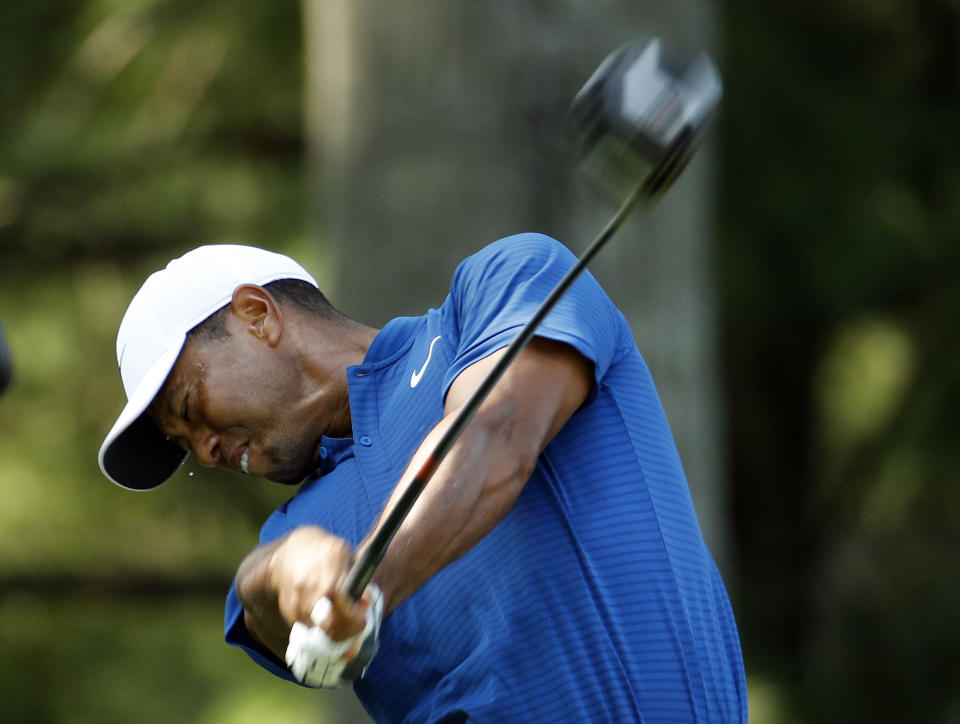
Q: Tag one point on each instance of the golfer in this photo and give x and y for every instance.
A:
(553, 570)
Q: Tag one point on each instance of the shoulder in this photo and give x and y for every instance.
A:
(511, 259)
(528, 244)
(530, 247)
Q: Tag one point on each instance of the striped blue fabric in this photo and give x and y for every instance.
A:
(595, 599)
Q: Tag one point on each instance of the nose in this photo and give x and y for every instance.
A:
(205, 445)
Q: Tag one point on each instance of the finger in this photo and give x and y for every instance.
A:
(296, 603)
(351, 653)
(347, 617)
(314, 658)
(321, 611)
(305, 568)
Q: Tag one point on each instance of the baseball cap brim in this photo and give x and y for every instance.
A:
(135, 454)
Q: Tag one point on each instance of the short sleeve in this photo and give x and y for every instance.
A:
(234, 627)
(497, 290)
(236, 634)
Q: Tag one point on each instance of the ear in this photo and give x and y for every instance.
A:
(258, 311)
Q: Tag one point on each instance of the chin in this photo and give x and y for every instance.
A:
(294, 474)
(291, 482)
(286, 477)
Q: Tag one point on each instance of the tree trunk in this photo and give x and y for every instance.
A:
(436, 127)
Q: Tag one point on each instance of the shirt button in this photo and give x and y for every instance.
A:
(366, 441)
(324, 453)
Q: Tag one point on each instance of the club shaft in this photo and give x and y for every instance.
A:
(372, 553)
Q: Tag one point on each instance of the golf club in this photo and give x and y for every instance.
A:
(637, 122)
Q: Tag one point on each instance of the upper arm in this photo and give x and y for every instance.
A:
(539, 391)
(496, 291)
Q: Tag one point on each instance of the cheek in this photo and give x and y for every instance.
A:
(247, 397)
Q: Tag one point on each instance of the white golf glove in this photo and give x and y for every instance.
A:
(317, 660)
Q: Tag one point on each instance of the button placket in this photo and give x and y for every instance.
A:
(364, 391)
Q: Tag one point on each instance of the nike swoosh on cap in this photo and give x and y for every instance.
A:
(418, 374)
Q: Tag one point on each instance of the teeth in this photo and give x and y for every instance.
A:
(245, 461)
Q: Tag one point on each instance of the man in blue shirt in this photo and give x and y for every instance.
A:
(552, 570)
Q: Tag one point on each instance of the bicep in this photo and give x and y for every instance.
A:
(540, 390)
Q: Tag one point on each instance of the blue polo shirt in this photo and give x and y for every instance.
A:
(595, 598)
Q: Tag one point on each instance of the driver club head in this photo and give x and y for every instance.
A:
(639, 118)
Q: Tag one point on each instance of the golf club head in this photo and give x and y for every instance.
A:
(639, 118)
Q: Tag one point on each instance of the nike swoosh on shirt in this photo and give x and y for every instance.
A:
(418, 374)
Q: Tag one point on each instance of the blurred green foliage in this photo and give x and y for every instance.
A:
(839, 271)
(131, 131)
(78, 659)
(137, 126)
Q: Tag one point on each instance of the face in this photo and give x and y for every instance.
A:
(242, 403)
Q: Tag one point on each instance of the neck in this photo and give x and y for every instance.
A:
(327, 348)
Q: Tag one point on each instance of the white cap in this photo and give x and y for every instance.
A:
(171, 302)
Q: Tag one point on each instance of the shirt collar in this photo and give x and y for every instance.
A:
(391, 341)
(332, 451)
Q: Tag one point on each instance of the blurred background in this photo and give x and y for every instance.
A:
(796, 295)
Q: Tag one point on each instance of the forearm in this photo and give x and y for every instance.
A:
(486, 469)
(259, 599)
(279, 583)
(471, 491)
